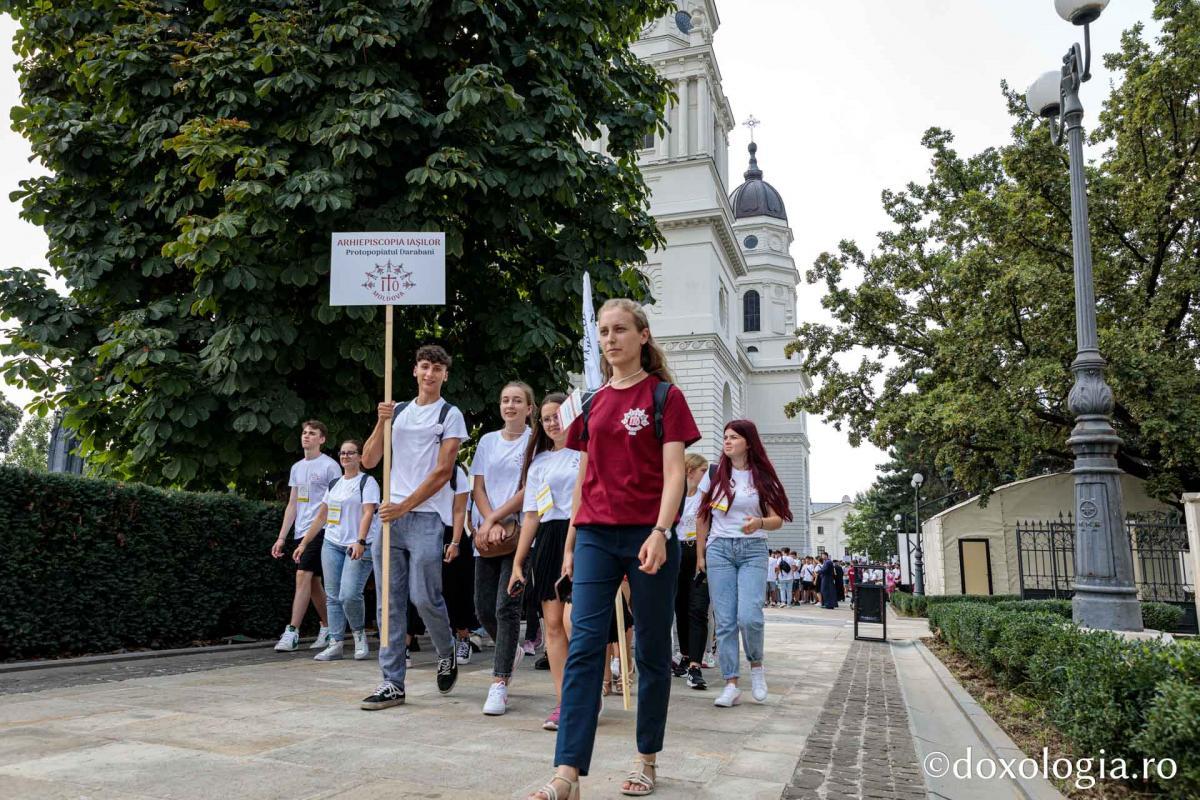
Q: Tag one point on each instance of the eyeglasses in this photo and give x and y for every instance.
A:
(548, 420)
(347, 453)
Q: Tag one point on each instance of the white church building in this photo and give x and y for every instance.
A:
(725, 284)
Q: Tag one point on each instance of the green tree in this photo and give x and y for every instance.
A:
(10, 420)
(200, 155)
(31, 446)
(966, 310)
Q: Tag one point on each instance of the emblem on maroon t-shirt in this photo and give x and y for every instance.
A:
(634, 420)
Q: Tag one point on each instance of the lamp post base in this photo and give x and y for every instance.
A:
(1106, 609)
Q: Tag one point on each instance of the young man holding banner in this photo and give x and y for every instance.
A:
(426, 435)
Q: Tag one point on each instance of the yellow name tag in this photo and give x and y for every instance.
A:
(545, 500)
(302, 496)
(335, 513)
(722, 506)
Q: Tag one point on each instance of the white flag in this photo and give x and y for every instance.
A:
(593, 379)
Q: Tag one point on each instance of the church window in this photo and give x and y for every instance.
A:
(648, 141)
(683, 21)
(751, 242)
(820, 530)
(751, 312)
(751, 349)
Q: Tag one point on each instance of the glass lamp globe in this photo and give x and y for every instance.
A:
(1042, 96)
(1080, 12)
(917, 479)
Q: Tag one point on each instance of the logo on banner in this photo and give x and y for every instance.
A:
(388, 282)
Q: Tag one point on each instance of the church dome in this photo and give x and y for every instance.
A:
(756, 197)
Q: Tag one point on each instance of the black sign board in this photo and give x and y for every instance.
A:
(870, 599)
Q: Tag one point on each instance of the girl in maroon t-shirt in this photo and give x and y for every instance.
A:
(631, 481)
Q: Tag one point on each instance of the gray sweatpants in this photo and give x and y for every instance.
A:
(415, 574)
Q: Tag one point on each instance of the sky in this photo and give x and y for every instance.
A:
(844, 90)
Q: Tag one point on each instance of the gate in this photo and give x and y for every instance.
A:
(1159, 543)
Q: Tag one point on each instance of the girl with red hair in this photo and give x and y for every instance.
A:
(743, 500)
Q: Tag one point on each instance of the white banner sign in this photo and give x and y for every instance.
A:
(399, 269)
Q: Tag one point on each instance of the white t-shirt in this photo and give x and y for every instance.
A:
(791, 573)
(311, 477)
(772, 567)
(806, 572)
(463, 487)
(687, 520)
(499, 462)
(728, 523)
(345, 510)
(415, 446)
(558, 470)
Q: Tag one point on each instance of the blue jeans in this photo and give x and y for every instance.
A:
(344, 582)
(603, 555)
(735, 570)
(415, 573)
(785, 591)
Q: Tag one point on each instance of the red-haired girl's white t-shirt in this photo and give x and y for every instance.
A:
(623, 484)
(728, 522)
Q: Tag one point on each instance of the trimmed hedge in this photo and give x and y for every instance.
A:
(912, 605)
(1155, 616)
(92, 566)
(1131, 699)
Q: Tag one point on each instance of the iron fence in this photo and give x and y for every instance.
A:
(1158, 541)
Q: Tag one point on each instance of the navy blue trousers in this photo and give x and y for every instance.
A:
(603, 556)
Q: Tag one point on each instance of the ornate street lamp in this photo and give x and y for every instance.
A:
(919, 577)
(1105, 595)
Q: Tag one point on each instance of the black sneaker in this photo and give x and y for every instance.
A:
(387, 695)
(416, 645)
(543, 662)
(447, 673)
(678, 670)
(695, 679)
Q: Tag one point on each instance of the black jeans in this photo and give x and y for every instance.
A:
(458, 584)
(691, 607)
(498, 611)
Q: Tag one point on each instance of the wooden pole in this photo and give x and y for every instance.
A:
(386, 545)
(623, 647)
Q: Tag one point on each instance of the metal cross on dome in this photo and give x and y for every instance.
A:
(752, 123)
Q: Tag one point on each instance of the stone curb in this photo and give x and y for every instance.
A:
(1036, 788)
(112, 658)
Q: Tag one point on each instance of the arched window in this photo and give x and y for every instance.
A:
(751, 315)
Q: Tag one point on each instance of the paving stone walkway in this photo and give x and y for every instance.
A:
(266, 727)
(861, 746)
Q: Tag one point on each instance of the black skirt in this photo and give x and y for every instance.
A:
(548, 558)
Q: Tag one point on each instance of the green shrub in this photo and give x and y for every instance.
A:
(911, 605)
(1060, 607)
(1161, 616)
(1023, 635)
(1173, 731)
(92, 566)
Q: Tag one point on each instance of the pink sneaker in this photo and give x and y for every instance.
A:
(528, 647)
(551, 723)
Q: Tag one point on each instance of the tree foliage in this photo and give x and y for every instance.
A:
(866, 527)
(10, 420)
(31, 446)
(966, 310)
(200, 155)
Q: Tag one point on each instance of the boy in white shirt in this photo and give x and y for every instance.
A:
(309, 479)
(426, 435)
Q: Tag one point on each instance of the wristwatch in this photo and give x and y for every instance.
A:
(660, 529)
(362, 542)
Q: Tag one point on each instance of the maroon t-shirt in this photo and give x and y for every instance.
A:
(623, 484)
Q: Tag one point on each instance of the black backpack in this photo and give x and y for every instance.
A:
(445, 412)
(361, 483)
(784, 566)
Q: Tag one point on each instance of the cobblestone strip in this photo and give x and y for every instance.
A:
(861, 746)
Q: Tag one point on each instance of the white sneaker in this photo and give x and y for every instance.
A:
(462, 651)
(758, 683)
(289, 641)
(615, 667)
(320, 642)
(361, 648)
(497, 700)
(730, 696)
(331, 653)
(407, 658)
(710, 660)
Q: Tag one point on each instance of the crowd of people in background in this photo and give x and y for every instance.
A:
(553, 520)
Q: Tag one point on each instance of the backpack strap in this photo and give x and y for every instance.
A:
(333, 483)
(362, 482)
(660, 404)
(445, 412)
